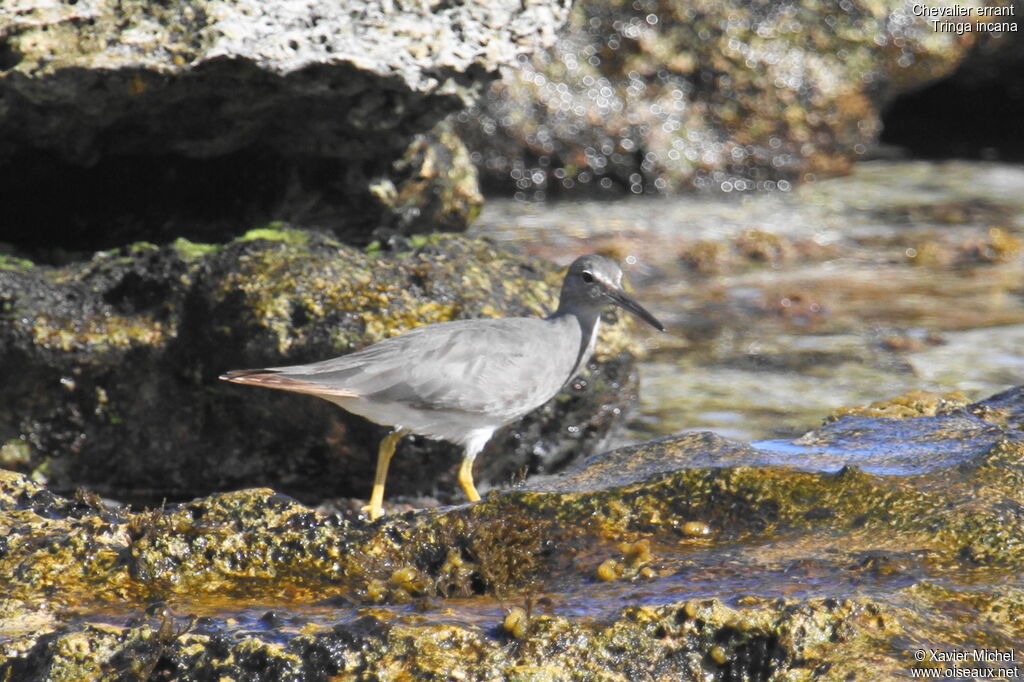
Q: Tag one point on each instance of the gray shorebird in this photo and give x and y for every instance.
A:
(460, 381)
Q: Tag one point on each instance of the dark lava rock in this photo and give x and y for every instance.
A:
(111, 366)
(636, 563)
(1006, 408)
(122, 121)
(650, 96)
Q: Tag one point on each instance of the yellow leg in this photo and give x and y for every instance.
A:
(384, 454)
(466, 479)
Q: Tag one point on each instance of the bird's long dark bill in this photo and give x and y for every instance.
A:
(627, 302)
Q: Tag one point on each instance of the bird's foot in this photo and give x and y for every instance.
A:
(372, 511)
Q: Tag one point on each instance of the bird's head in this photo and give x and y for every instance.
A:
(593, 281)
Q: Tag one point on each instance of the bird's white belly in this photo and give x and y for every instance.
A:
(450, 425)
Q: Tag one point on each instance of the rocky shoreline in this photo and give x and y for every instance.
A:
(500, 587)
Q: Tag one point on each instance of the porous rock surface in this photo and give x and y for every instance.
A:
(650, 96)
(193, 118)
(640, 564)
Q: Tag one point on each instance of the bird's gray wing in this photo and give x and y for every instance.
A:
(501, 367)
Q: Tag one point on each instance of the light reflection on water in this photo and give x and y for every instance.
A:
(764, 569)
(889, 280)
(888, 461)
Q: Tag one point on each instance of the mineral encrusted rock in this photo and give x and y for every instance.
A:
(724, 571)
(194, 118)
(111, 365)
(661, 97)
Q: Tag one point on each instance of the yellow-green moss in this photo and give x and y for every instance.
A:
(15, 454)
(276, 232)
(192, 251)
(8, 262)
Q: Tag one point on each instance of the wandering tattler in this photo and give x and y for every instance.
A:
(459, 381)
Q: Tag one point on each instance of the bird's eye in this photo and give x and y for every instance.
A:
(587, 277)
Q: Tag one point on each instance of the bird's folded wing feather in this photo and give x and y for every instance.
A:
(496, 366)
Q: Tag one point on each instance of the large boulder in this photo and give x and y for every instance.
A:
(111, 365)
(661, 97)
(132, 120)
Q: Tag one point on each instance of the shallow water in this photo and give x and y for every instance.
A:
(901, 276)
(733, 574)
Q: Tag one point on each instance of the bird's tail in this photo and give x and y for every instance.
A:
(271, 378)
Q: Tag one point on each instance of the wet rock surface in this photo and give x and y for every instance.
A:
(198, 118)
(662, 97)
(647, 563)
(111, 365)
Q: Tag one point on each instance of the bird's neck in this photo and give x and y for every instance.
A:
(588, 322)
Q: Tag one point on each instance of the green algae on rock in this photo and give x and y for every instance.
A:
(113, 364)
